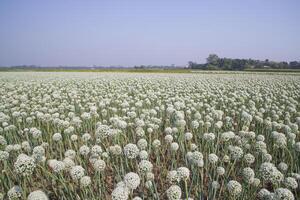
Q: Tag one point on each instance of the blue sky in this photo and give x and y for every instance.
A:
(135, 32)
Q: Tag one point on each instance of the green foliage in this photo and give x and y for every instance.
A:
(216, 63)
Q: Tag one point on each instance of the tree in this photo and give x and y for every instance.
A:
(295, 65)
(213, 59)
(192, 65)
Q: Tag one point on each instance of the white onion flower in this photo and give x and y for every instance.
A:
(132, 180)
(77, 172)
(234, 188)
(24, 165)
(174, 192)
(85, 181)
(37, 195)
(131, 151)
(15, 192)
(120, 193)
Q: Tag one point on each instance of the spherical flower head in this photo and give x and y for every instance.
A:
(137, 198)
(17, 147)
(26, 146)
(149, 130)
(156, 143)
(296, 176)
(209, 137)
(194, 124)
(37, 195)
(121, 184)
(260, 138)
(215, 185)
(219, 125)
(149, 185)
(24, 165)
(132, 180)
(140, 131)
(142, 144)
(207, 124)
(70, 153)
(85, 181)
(99, 165)
(297, 147)
(74, 138)
(86, 137)
(189, 156)
(174, 146)
(131, 151)
(248, 175)
(267, 157)
(220, 171)
(270, 173)
(226, 136)
(168, 130)
(120, 193)
(283, 167)
(84, 150)
(283, 193)
(38, 154)
(103, 131)
(3, 155)
(280, 140)
(96, 150)
(260, 146)
(173, 177)
(143, 155)
(256, 182)
(105, 155)
(197, 155)
(115, 150)
(263, 194)
(188, 136)
(236, 152)
(174, 192)
(35, 132)
(194, 147)
(183, 173)
(226, 159)
(168, 138)
(56, 166)
(77, 172)
(197, 159)
(69, 163)
(38, 150)
(149, 176)
(249, 158)
(3, 141)
(56, 137)
(213, 158)
(234, 188)
(291, 182)
(14, 193)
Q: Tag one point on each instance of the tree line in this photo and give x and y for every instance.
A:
(214, 62)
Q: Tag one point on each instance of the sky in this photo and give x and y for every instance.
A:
(148, 32)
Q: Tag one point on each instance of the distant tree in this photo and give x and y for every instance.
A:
(283, 65)
(213, 59)
(294, 65)
(211, 67)
(214, 62)
(227, 64)
(192, 65)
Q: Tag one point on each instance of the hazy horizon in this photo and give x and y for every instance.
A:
(109, 33)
